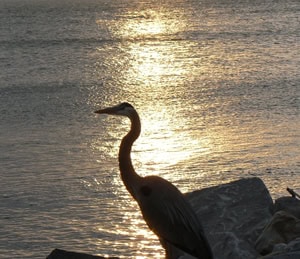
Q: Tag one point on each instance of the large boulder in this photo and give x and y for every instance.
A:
(233, 216)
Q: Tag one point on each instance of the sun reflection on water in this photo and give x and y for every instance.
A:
(163, 145)
(148, 24)
(152, 61)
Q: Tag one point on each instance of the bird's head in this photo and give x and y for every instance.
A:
(122, 109)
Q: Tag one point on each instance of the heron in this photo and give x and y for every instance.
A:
(165, 209)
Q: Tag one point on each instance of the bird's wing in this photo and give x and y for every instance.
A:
(183, 217)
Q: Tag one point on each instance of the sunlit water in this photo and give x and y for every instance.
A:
(216, 84)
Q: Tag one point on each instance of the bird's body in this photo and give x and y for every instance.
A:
(172, 218)
(165, 209)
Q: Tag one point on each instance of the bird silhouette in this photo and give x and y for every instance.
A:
(164, 208)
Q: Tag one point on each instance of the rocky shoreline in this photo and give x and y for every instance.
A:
(241, 221)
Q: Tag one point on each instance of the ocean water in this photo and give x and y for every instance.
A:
(217, 86)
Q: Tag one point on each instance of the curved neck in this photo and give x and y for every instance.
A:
(129, 177)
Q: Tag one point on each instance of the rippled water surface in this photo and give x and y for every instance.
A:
(216, 84)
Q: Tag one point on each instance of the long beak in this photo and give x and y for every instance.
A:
(109, 110)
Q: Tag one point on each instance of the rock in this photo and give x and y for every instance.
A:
(62, 254)
(233, 216)
(288, 204)
(283, 228)
(285, 251)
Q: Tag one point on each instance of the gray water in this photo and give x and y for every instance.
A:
(216, 84)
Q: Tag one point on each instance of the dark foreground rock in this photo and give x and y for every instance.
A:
(240, 221)
(62, 254)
